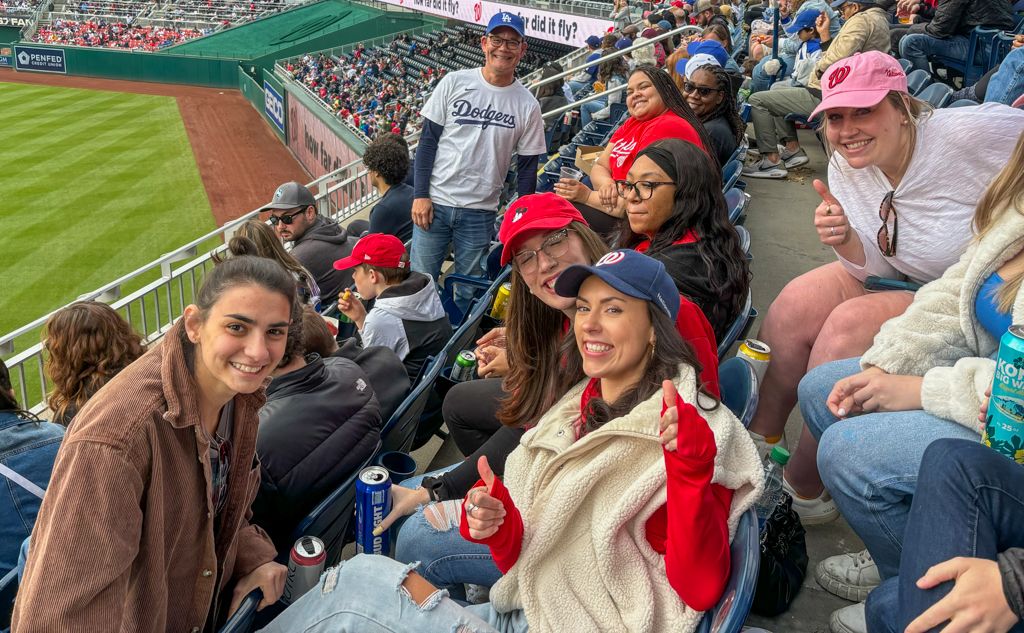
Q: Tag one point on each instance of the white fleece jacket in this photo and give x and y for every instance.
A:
(939, 336)
(585, 563)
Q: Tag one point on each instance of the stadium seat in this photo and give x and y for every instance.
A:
(485, 289)
(8, 590)
(906, 64)
(978, 47)
(736, 202)
(917, 80)
(962, 103)
(938, 94)
(730, 174)
(1000, 47)
(739, 387)
(745, 560)
(400, 431)
(744, 238)
(242, 619)
(739, 327)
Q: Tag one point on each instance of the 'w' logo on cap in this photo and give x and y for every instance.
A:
(611, 259)
(838, 76)
(517, 216)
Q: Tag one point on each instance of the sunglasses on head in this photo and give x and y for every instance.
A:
(285, 218)
(704, 91)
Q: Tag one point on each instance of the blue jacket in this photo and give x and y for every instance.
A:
(28, 448)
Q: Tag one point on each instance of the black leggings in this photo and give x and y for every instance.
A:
(471, 412)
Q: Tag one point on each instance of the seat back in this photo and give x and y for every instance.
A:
(937, 94)
(8, 590)
(744, 238)
(917, 80)
(736, 201)
(329, 521)
(738, 327)
(733, 607)
(399, 432)
(241, 621)
(730, 174)
(738, 383)
(906, 64)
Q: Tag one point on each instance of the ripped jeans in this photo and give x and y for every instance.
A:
(365, 595)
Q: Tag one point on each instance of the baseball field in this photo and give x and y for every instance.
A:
(95, 184)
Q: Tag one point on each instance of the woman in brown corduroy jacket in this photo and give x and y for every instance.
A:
(145, 525)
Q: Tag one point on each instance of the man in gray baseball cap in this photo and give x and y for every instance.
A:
(316, 241)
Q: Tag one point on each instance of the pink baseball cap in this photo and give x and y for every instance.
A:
(860, 81)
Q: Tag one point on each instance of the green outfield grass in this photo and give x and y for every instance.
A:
(92, 186)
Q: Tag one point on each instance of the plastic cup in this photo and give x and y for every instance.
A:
(571, 173)
(399, 465)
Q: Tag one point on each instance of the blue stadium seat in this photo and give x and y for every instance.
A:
(400, 431)
(739, 387)
(962, 103)
(736, 202)
(732, 609)
(978, 47)
(739, 327)
(730, 174)
(906, 64)
(1000, 47)
(938, 94)
(452, 281)
(8, 590)
(917, 80)
(744, 238)
(242, 620)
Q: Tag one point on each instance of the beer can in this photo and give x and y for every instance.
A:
(464, 367)
(758, 354)
(1004, 423)
(305, 565)
(373, 503)
(500, 306)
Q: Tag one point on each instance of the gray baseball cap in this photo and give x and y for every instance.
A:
(290, 195)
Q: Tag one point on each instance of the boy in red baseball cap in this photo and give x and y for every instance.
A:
(407, 315)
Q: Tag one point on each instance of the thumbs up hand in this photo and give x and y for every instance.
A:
(484, 513)
(829, 219)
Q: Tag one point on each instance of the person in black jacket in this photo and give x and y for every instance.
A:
(320, 423)
(948, 32)
(676, 213)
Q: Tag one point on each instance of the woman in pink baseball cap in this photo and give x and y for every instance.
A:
(903, 182)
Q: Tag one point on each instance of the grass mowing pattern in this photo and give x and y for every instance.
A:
(95, 184)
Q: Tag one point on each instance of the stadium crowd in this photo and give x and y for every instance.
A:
(604, 477)
(17, 7)
(112, 34)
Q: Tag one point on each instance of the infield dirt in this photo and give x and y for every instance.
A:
(240, 160)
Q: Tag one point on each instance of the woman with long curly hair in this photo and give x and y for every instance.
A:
(87, 344)
(676, 214)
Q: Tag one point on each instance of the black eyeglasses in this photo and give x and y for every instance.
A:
(285, 218)
(643, 189)
(704, 91)
(555, 246)
(887, 243)
(498, 42)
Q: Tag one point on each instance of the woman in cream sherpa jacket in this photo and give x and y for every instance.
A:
(924, 378)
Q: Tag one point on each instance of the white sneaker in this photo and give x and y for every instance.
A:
(795, 159)
(764, 447)
(849, 576)
(764, 169)
(817, 511)
(849, 619)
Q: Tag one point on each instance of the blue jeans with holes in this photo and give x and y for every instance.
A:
(869, 463)
(468, 231)
(1007, 84)
(916, 47)
(368, 597)
(969, 502)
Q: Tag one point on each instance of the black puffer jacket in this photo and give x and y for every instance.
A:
(958, 17)
(319, 424)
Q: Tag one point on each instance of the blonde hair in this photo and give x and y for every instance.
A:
(1005, 192)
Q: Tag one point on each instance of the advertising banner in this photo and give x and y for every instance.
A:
(562, 28)
(42, 60)
(273, 106)
(6, 56)
(12, 20)
(314, 144)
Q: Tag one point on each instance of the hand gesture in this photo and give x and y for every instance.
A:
(822, 25)
(829, 219)
(983, 409)
(484, 513)
(572, 190)
(492, 360)
(351, 306)
(669, 419)
(694, 438)
(972, 605)
(269, 577)
(874, 390)
(403, 503)
(422, 213)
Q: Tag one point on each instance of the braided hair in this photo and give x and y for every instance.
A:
(674, 100)
(727, 108)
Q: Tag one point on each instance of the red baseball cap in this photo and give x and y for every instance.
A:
(535, 212)
(376, 249)
(860, 81)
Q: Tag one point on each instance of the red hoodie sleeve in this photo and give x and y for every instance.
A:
(697, 540)
(695, 329)
(507, 541)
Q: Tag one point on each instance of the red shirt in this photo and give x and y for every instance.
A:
(635, 135)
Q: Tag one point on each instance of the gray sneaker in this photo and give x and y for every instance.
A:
(849, 619)
(795, 159)
(849, 576)
(764, 169)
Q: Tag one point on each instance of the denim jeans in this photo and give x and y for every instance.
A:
(760, 80)
(969, 502)
(366, 595)
(869, 463)
(469, 231)
(1007, 85)
(916, 47)
(588, 109)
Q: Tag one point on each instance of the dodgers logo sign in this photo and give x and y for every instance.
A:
(40, 60)
(273, 106)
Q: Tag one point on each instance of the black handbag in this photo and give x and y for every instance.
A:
(783, 561)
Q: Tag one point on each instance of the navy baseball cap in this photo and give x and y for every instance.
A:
(593, 41)
(623, 43)
(804, 20)
(709, 47)
(631, 273)
(511, 20)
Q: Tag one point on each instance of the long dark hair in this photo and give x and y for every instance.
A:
(670, 351)
(727, 108)
(8, 403)
(674, 100)
(534, 332)
(698, 205)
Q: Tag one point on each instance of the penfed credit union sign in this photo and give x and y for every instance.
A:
(42, 60)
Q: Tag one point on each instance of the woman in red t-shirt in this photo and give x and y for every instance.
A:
(657, 110)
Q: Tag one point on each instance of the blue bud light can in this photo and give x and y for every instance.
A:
(373, 503)
(1004, 424)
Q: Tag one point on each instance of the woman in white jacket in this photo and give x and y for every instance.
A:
(923, 379)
